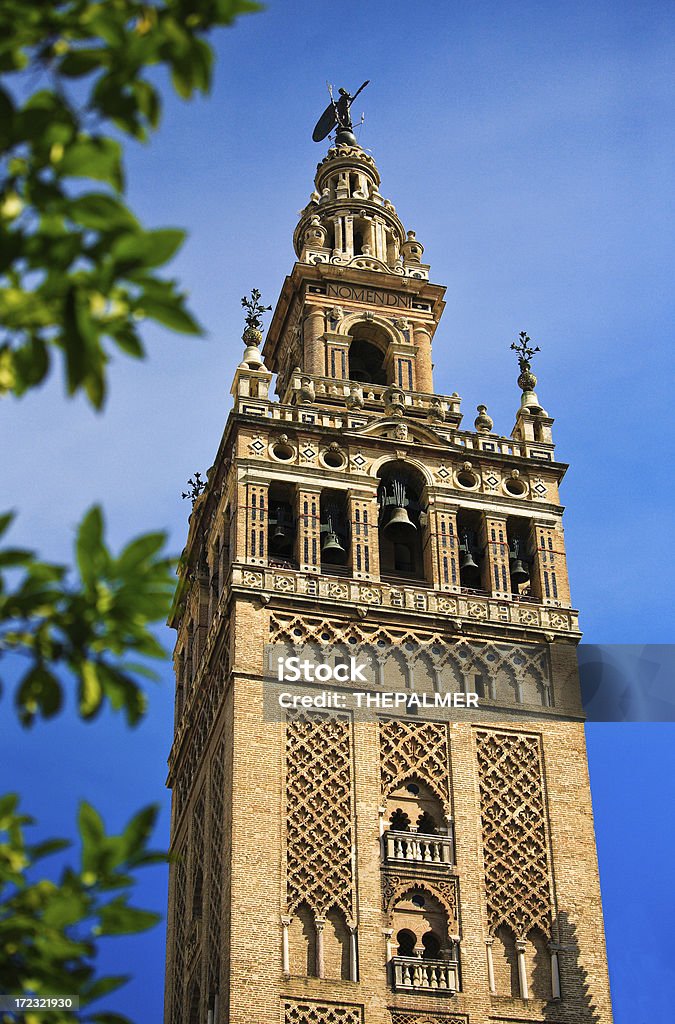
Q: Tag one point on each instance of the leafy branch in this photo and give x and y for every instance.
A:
(50, 930)
(89, 626)
(78, 270)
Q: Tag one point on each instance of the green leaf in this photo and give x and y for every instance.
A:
(92, 834)
(82, 62)
(138, 831)
(102, 987)
(146, 248)
(39, 690)
(90, 690)
(8, 805)
(92, 556)
(49, 846)
(97, 157)
(14, 556)
(172, 315)
(6, 519)
(100, 212)
(118, 918)
(139, 551)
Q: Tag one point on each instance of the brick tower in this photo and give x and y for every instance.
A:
(417, 867)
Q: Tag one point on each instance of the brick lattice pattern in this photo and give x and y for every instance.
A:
(414, 748)
(320, 1013)
(319, 813)
(216, 865)
(412, 1017)
(515, 835)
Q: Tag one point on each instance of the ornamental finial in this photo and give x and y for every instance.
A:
(253, 335)
(527, 380)
(255, 309)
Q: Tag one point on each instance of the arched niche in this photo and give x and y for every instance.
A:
(420, 924)
(413, 805)
(401, 527)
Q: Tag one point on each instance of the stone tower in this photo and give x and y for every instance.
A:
(413, 864)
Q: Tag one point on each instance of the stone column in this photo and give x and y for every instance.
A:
(388, 932)
(442, 563)
(363, 515)
(423, 366)
(550, 582)
(555, 973)
(319, 923)
(337, 221)
(314, 358)
(308, 519)
(353, 959)
(497, 555)
(522, 969)
(349, 235)
(490, 967)
(252, 522)
(285, 955)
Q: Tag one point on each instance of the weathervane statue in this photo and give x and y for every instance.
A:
(338, 112)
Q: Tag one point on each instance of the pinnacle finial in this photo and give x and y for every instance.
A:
(253, 335)
(255, 309)
(524, 350)
(527, 380)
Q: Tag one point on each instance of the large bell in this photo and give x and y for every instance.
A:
(280, 533)
(467, 563)
(469, 570)
(332, 550)
(399, 520)
(519, 572)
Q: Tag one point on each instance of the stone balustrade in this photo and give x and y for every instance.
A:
(416, 848)
(411, 974)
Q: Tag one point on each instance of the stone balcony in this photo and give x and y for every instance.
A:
(414, 848)
(410, 974)
(409, 596)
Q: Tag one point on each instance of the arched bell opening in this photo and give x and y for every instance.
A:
(366, 363)
(334, 529)
(520, 555)
(402, 526)
(368, 349)
(472, 561)
(282, 528)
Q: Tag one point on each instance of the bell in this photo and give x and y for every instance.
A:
(466, 562)
(400, 519)
(280, 534)
(519, 572)
(332, 550)
(469, 570)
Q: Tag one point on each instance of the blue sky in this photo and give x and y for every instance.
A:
(527, 144)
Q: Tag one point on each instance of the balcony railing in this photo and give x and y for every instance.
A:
(411, 974)
(416, 848)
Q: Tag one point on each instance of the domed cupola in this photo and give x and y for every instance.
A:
(348, 222)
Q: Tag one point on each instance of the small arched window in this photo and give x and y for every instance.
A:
(366, 362)
(399, 821)
(407, 940)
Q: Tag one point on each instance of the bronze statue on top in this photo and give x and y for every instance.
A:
(338, 113)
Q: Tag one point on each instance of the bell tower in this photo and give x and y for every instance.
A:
(418, 848)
